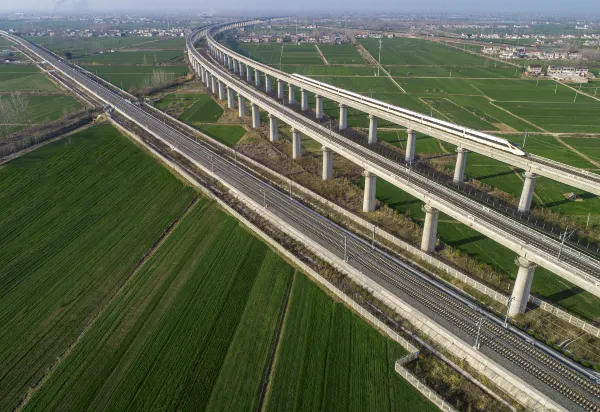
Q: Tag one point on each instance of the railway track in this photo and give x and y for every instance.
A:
(555, 375)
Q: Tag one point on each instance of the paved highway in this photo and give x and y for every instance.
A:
(561, 172)
(554, 375)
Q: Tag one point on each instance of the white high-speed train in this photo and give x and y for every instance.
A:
(489, 140)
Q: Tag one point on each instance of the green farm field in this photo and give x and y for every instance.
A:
(265, 53)
(133, 77)
(40, 109)
(24, 78)
(79, 214)
(417, 52)
(228, 134)
(203, 110)
(89, 45)
(300, 53)
(199, 321)
(329, 360)
(147, 57)
(341, 54)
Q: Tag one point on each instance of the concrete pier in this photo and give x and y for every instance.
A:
(343, 123)
(461, 164)
(520, 294)
(268, 83)
(221, 90)
(303, 100)
(280, 90)
(256, 77)
(249, 74)
(372, 129)
(230, 63)
(411, 143)
(527, 193)
(230, 98)
(241, 106)
(369, 193)
(214, 85)
(207, 81)
(236, 66)
(273, 132)
(430, 228)
(292, 94)
(319, 108)
(296, 144)
(255, 116)
(327, 163)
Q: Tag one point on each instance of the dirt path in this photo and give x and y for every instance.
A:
(322, 55)
(594, 162)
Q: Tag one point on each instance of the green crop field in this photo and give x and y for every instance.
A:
(417, 52)
(364, 85)
(198, 317)
(300, 54)
(147, 57)
(176, 43)
(24, 78)
(315, 70)
(89, 45)
(228, 134)
(527, 91)
(79, 214)
(134, 77)
(578, 117)
(341, 54)
(199, 322)
(45, 108)
(264, 53)
(329, 360)
(452, 72)
(203, 110)
(551, 148)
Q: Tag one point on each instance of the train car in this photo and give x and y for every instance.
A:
(470, 134)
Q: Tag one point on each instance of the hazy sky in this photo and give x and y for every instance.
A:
(580, 7)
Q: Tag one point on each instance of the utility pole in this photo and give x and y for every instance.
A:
(373, 238)
(524, 138)
(507, 310)
(379, 62)
(477, 344)
(565, 236)
(588, 222)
